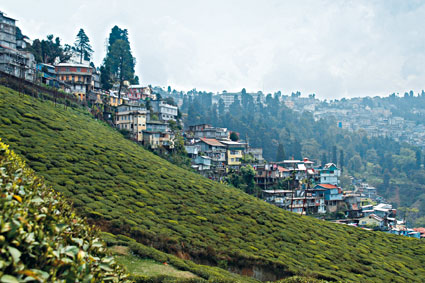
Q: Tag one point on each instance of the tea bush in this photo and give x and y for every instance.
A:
(41, 238)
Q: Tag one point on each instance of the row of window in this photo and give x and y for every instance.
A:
(126, 118)
(74, 78)
(68, 69)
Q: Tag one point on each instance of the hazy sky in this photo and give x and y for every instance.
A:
(331, 48)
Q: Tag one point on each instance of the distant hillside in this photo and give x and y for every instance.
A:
(127, 190)
(41, 239)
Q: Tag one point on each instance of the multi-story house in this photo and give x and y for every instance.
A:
(329, 174)
(208, 131)
(257, 153)
(15, 62)
(333, 196)
(131, 118)
(139, 92)
(234, 153)
(78, 76)
(164, 110)
(158, 134)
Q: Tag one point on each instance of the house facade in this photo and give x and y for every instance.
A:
(330, 174)
(78, 76)
(139, 92)
(131, 118)
(18, 63)
(165, 111)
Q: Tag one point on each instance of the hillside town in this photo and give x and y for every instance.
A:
(151, 117)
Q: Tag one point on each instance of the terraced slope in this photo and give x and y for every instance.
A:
(127, 190)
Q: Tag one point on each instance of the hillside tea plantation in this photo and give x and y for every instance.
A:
(127, 190)
(41, 238)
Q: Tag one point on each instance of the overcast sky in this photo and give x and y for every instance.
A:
(332, 48)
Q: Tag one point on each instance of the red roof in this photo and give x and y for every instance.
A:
(282, 169)
(328, 186)
(212, 142)
(420, 230)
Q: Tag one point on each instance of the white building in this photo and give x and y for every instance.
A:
(165, 111)
(329, 174)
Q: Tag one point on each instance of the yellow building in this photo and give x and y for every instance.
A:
(234, 153)
(371, 220)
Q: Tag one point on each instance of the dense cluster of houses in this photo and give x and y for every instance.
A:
(149, 127)
(214, 154)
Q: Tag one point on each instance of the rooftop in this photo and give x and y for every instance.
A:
(212, 142)
(327, 186)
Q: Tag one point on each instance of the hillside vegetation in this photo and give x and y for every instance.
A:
(41, 238)
(127, 190)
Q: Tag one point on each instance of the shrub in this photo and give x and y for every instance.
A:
(41, 239)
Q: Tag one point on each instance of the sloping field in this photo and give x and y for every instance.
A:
(127, 190)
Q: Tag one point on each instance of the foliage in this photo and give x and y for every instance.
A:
(234, 136)
(41, 238)
(280, 156)
(82, 46)
(128, 190)
(48, 51)
(119, 63)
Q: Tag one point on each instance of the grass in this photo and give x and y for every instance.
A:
(127, 190)
(151, 268)
(147, 267)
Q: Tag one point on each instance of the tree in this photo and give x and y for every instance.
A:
(221, 106)
(334, 156)
(82, 46)
(341, 160)
(50, 51)
(280, 156)
(386, 179)
(324, 159)
(121, 62)
(234, 136)
(248, 174)
(418, 158)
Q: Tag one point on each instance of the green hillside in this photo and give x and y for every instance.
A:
(127, 190)
(41, 239)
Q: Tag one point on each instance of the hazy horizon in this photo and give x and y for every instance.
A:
(334, 49)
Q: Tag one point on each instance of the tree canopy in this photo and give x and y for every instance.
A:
(82, 46)
(119, 62)
(49, 51)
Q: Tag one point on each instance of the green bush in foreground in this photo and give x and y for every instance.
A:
(41, 239)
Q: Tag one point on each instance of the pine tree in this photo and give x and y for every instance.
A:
(341, 160)
(334, 155)
(280, 156)
(82, 46)
(324, 159)
(119, 63)
(418, 159)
